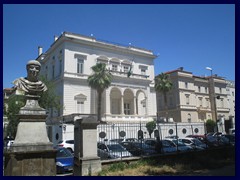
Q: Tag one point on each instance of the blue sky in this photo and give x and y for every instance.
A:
(190, 36)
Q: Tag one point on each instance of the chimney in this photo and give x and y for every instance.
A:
(55, 38)
(181, 68)
(39, 50)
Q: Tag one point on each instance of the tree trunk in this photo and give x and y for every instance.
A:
(165, 104)
(99, 106)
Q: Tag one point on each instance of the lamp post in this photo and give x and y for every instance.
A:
(213, 97)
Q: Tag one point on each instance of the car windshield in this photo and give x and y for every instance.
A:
(197, 142)
(116, 147)
(63, 153)
(142, 145)
(179, 143)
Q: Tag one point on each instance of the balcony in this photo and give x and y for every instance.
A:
(121, 118)
(203, 109)
(125, 74)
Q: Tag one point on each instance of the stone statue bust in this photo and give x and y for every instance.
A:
(30, 84)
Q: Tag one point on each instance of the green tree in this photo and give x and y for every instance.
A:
(48, 100)
(210, 125)
(163, 85)
(100, 80)
(150, 127)
(15, 102)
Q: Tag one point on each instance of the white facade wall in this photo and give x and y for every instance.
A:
(73, 87)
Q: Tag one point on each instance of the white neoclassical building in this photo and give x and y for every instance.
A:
(68, 64)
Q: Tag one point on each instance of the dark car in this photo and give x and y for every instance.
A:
(230, 139)
(64, 160)
(138, 148)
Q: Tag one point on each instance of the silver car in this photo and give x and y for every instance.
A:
(114, 150)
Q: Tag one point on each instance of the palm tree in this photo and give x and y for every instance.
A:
(100, 80)
(163, 85)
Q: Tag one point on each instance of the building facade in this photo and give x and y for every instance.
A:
(192, 99)
(231, 102)
(68, 64)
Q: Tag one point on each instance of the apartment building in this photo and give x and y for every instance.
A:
(68, 64)
(231, 102)
(192, 97)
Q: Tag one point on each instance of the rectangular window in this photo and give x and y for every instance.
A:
(80, 107)
(207, 103)
(143, 71)
(187, 99)
(200, 101)
(125, 69)
(220, 90)
(199, 89)
(206, 90)
(186, 85)
(126, 108)
(80, 66)
(114, 67)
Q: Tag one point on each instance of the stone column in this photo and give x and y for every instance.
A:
(134, 105)
(122, 105)
(86, 160)
(108, 102)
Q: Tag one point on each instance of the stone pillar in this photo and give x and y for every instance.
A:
(32, 153)
(134, 105)
(108, 102)
(86, 160)
(122, 105)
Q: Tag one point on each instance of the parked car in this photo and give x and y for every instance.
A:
(69, 144)
(182, 147)
(172, 137)
(131, 140)
(195, 143)
(163, 146)
(150, 141)
(115, 150)
(116, 140)
(209, 139)
(230, 139)
(168, 146)
(64, 160)
(138, 148)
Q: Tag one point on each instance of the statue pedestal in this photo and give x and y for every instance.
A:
(30, 163)
(32, 153)
(86, 160)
